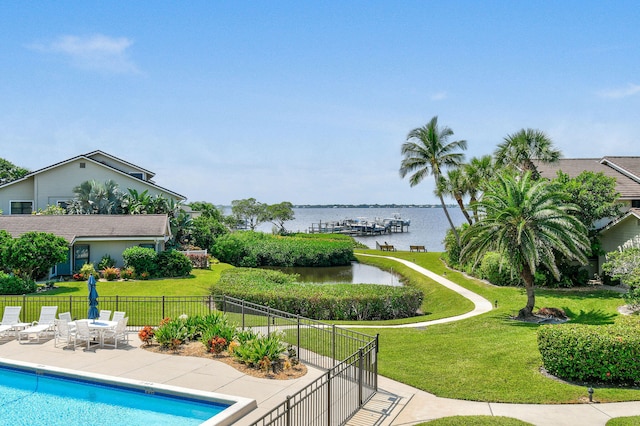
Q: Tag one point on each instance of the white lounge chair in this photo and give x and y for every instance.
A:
(46, 324)
(83, 333)
(119, 333)
(10, 318)
(64, 332)
(104, 315)
(118, 315)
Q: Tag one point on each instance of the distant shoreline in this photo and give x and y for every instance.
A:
(371, 206)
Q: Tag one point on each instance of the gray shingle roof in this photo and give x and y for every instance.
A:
(71, 227)
(628, 188)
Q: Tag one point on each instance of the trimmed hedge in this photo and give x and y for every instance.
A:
(319, 301)
(600, 354)
(255, 249)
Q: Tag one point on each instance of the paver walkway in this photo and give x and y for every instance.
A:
(397, 404)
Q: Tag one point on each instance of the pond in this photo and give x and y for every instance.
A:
(356, 273)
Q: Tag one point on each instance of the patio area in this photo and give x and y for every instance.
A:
(133, 362)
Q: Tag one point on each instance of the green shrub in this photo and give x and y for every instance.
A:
(142, 260)
(632, 297)
(128, 274)
(261, 352)
(111, 274)
(494, 269)
(106, 262)
(172, 263)
(607, 354)
(86, 270)
(172, 333)
(323, 302)
(12, 284)
(254, 249)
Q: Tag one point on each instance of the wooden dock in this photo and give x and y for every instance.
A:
(360, 227)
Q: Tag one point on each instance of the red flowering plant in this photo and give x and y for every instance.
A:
(217, 345)
(146, 334)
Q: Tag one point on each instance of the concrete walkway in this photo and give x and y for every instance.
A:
(397, 404)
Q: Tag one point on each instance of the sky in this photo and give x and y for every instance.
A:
(310, 102)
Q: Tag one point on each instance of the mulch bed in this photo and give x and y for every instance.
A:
(199, 350)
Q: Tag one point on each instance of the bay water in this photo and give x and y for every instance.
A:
(428, 224)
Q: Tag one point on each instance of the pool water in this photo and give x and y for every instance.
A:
(28, 398)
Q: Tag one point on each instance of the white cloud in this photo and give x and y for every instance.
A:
(439, 96)
(95, 52)
(630, 90)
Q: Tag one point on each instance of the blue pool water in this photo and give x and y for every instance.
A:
(28, 398)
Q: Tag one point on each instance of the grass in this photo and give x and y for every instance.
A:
(485, 358)
(475, 421)
(491, 357)
(197, 284)
(624, 421)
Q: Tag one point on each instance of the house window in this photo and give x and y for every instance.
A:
(63, 204)
(83, 165)
(21, 207)
(635, 203)
(151, 246)
(80, 256)
(137, 175)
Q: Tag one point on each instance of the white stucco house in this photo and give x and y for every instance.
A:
(89, 236)
(53, 185)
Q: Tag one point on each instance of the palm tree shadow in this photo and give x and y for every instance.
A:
(591, 317)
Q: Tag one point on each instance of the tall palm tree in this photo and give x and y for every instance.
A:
(478, 172)
(520, 150)
(529, 223)
(456, 185)
(427, 151)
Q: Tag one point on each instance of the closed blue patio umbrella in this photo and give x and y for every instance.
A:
(93, 299)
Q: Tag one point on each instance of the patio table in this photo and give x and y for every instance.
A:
(100, 327)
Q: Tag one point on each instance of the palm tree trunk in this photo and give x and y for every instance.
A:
(527, 277)
(464, 210)
(446, 212)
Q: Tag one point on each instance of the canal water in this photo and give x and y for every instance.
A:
(356, 273)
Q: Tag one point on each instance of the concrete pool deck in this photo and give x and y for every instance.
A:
(133, 362)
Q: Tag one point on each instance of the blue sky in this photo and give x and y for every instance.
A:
(309, 102)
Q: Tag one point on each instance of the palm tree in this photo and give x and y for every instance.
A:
(529, 223)
(93, 197)
(456, 185)
(138, 202)
(520, 150)
(427, 151)
(478, 171)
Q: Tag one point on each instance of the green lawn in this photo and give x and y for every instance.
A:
(198, 284)
(485, 358)
(491, 357)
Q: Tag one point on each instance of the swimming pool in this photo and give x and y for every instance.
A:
(34, 394)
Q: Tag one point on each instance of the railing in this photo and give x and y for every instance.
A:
(349, 357)
(141, 310)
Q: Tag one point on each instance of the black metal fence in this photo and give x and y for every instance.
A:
(141, 310)
(349, 357)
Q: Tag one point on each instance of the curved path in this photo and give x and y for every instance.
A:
(481, 304)
(397, 404)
